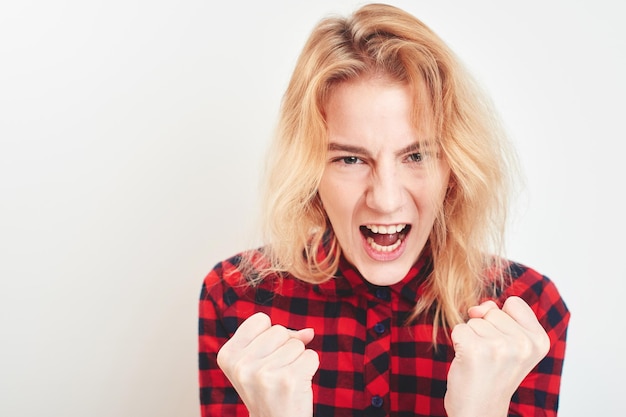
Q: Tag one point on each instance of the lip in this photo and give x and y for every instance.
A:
(384, 256)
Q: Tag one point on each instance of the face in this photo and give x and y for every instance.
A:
(383, 181)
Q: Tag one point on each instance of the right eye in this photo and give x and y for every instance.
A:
(350, 160)
(347, 160)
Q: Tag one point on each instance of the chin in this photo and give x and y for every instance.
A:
(384, 276)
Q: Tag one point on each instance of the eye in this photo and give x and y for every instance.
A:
(415, 157)
(348, 160)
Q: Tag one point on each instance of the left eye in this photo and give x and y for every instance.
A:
(350, 160)
(415, 157)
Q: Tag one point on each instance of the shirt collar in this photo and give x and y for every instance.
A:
(348, 280)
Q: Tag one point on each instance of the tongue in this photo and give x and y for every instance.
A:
(385, 239)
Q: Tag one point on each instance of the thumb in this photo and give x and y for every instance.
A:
(303, 335)
(479, 311)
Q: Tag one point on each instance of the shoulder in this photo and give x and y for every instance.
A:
(238, 271)
(527, 283)
(539, 292)
(240, 267)
(244, 284)
(246, 276)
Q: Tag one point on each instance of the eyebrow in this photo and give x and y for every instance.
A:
(359, 150)
(339, 147)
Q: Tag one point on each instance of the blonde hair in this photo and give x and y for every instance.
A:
(382, 39)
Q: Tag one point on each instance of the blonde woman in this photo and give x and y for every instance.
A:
(382, 289)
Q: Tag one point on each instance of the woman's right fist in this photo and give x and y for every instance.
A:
(270, 368)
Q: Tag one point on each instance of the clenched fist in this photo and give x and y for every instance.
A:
(270, 368)
(494, 351)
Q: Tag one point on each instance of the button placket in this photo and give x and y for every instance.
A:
(377, 364)
(382, 294)
(377, 401)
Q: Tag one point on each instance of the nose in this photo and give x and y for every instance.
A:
(386, 193)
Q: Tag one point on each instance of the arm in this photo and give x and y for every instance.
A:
(253, 368)
(217, 396)
(538, 394)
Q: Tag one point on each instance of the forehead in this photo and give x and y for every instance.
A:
(377, 105)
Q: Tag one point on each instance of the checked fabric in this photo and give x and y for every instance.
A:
(371, 362)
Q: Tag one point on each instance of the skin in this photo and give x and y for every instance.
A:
(494, 351)
(270, 368)
(379, 173)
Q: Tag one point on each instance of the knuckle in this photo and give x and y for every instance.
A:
(267, 375)
(295, 345)
(278, 333)
(312, 357)
(242, 372)
(279, 328)
(473, 322)
(457, 331)
(223, 357)
(489, 315)
(274, 379)
(523, 350)
(543, 344)
(495, 349)
(531, 349)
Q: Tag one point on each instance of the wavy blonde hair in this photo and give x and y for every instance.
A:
(382, 39)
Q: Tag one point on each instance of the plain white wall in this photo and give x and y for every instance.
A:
(131, 140)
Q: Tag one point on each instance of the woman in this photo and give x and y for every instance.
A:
(380, 291)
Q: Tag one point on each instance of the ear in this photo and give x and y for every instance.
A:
(452, 183)
(317, 200)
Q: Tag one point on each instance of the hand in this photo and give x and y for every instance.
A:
(494, 351)
(270, 368)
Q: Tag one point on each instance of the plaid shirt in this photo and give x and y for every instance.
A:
(371, 362)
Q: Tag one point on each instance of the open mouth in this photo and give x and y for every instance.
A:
(385, 238)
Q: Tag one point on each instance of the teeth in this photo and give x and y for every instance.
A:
(386, 230)
(380, 248)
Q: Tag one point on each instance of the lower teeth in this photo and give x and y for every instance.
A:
(381, 248)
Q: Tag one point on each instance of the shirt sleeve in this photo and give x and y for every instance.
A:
(538, 394)
(217, 396)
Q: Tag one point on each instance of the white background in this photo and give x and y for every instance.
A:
(132, 134)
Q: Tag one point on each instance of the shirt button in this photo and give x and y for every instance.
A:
(382, 293)
(379, 328)
(377, 401)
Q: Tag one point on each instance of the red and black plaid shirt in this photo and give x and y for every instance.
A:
(371, 362)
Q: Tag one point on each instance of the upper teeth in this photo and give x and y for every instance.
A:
(386, 230)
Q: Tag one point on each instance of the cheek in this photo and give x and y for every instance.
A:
(429, 198)
(334, 208)
(438, 186)
(338, 203)
(330, 201)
